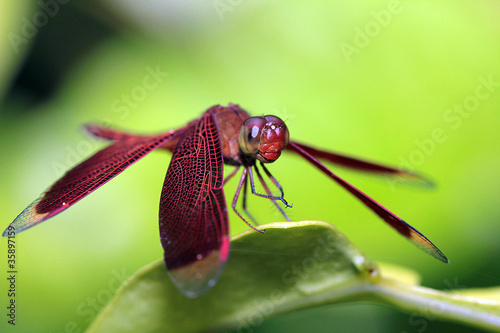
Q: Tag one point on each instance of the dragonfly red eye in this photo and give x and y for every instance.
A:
(273, 140)
(250, 134)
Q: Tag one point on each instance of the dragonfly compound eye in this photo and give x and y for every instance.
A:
(273, 140)
(250, 135)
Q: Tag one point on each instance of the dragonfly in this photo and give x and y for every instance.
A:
(193, 216)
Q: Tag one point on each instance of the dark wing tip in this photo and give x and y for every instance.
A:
(93, 129)
(445, 260)
(436, 253)
(423, 243)
(412, 178)
(29, 217)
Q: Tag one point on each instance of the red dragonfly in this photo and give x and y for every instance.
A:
(194, 227)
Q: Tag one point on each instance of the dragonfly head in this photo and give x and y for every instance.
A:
(263, 138)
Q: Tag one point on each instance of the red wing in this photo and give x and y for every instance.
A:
(355, 163)
(86, 177)
(107, 133)
(401, 226)
(194, 227)
(117, 135)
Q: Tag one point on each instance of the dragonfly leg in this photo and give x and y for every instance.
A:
(228, 178)
(252, 184)
(235, 200)
(245, 191)
(268, 191)
(274, 180)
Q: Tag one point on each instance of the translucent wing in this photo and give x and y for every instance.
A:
(86, 177)
(359, 164)
(117, 135)
(194, 227)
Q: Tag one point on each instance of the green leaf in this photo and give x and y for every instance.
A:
(291, 266)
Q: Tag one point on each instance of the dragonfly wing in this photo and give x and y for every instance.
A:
(363, 165)
(394, 221)
(107, 133)
(194, 227)
(84, 178)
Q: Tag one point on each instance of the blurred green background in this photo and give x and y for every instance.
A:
(414, 84)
